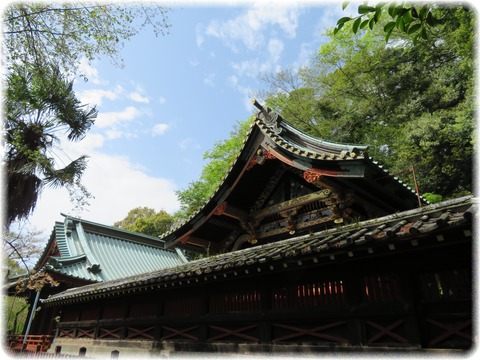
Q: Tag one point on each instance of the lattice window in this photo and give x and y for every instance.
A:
(386, 332)
(247, 300)
(110, 333)
(238, 333)
(455, 284)
(326, 332)
(187, 305)
(309, 295)
(449, 332)
(67, 333)
(381, 288)
(141, 333)
(182, 333)
(88, 333)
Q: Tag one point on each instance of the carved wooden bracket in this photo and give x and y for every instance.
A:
(290, 216)
(260, 158)
(340, 205)
(313, 175)
(231, 211)
(220, 209)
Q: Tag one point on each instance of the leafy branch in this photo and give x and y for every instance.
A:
(409, 19)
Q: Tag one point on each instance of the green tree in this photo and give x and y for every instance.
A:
(36, 33)
(411, 103)
(43, 45)
(133, 215)
(416, 20)
(292, 98)
(21, 251)
(15, 309)
(40, 102)
(221, 157)
(146, 221)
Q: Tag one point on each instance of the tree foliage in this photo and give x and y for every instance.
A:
(411, 103)
(146, 221)
(39, 103)
(43, 44)
(220, 157)
(414, 20)
(16, 311)
(21, 250)
(61, 33)
(36, 280)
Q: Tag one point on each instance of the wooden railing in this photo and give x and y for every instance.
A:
(34, 343)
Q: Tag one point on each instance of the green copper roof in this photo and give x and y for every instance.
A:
(95, 252)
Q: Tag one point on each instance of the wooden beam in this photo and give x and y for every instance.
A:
(293, 203)
(299, 226)
(231, 211)
(197, 241)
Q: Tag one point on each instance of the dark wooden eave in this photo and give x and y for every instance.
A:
(445, 224)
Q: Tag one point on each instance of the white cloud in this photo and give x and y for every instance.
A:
(95, 96)
(188, 143)
(137, 97)
(117, 185)
(113, 134)
(88, 71)
(247, 95)
(233, 80)
(209, 80)
(160, 129)
(275, 49)
(111, 118)
(249, 26)
(199, 29)
(89, 143)
(253, 67)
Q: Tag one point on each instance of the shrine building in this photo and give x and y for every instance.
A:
(308, 246)
(81, 252)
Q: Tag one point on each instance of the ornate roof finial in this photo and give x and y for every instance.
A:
(268, 117)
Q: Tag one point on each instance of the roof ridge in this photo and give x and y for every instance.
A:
(286, 136)
(112, 228)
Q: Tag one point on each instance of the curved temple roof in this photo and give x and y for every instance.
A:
(275, 154)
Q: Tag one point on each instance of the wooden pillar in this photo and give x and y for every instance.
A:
(412, 295)
(265, 329)
(353, 288)
(160, 312)
(203, 325)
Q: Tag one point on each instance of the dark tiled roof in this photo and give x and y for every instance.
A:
(324, 246)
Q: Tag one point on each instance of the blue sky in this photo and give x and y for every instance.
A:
(176, 96)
